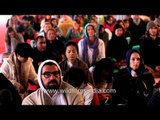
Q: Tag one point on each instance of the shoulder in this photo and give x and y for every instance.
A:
(81, 62)
(89, 87)
(70, 28)
(80, 42)
(63, 62)
(19, 35)
(30, 60)
(147, 71)
(68, 89)
(100, 42)
(32, 98)
(66, 85)
(7, 61)
(123, 72)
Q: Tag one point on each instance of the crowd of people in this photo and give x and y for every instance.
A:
(105, 60)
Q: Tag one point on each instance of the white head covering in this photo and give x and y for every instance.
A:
(40, 72)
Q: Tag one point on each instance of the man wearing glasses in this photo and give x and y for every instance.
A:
(53, 90)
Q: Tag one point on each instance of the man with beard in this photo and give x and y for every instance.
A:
(53, 90)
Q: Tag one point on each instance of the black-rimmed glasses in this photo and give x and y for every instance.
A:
(48, 74)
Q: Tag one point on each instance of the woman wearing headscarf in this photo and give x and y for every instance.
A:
(91, 48)
(133, 84)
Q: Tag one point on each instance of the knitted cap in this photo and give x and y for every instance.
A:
(150, 24)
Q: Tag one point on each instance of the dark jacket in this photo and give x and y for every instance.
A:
(150, 51)
(56, 48)
(132, 91)
(8, 94)
(40, 57)
(118, 47)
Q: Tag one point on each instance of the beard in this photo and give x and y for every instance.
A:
(52, 85)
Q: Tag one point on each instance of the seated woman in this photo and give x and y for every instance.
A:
(75, 33)
(91, 48)
(71, 60)
(133, 84)
(12, 38)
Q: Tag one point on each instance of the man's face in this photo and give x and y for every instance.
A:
(41, 44)
(51, 35)
(51, 77)
(26, 23)
(153, 31)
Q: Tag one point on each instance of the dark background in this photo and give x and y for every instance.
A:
(79, 7)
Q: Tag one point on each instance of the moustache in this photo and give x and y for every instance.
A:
(53, 82)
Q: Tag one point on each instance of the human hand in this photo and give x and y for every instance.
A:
(21, 89)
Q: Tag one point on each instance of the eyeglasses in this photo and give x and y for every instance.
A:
(49, 74)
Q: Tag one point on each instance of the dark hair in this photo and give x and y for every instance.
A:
(10, 29)
(20, 29)
(77, 21)
(24, 50)
(75, 76)
(126, 20)
(26, 18)
(52, 29)
(100, 27)
(128, 55)
(104, 65)
(54, 19)
(108, 17)
(49, 63)
(40, 36)
(116, 26)
(69, 43)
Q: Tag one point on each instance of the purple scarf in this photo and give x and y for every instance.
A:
(94, 46)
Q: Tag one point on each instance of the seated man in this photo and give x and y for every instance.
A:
(18, 68)
(53, 90)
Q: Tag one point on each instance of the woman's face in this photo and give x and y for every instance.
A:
(75, 25)
(71, 53)
(119, 32)
(134, 61)
(90, 31)
(11, 34)
(46, 27)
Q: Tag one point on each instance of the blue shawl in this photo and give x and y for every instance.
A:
(94, 46)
